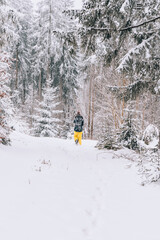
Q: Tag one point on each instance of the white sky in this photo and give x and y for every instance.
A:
(77, 3)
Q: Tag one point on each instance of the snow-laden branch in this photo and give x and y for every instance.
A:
(133, 51)
(100, 29)
(124, 29)
(140, 24)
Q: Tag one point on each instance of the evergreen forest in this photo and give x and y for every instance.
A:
(102, 60)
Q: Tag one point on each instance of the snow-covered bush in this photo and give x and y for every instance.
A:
(151, 136)
(149, 166)
(149, 163)
(157, 88)
(125, 136)
(150, 139)
(110, 141)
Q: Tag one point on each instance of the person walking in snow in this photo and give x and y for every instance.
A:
(78, 121)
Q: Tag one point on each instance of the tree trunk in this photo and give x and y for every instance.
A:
(89, 107)
(16, 83)
(49, 42)
(24, 92)
(92, 109)
(123, 103)
(40, 86)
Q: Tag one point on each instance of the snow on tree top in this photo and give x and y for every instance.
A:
(124, 5)
(151, 136)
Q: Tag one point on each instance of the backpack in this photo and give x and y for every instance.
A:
(78, 123)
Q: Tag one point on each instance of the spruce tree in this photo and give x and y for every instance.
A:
(46, 122)
(6, 107)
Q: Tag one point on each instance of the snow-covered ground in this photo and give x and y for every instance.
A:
(51, 189)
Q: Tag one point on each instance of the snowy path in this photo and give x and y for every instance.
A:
(53, 190)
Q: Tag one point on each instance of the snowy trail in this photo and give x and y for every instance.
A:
(54, 190)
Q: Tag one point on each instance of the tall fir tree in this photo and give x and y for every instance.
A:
(46, 122)
(124, 35)
(56, 48)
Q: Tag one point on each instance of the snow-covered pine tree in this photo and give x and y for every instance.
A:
(8, 22)
(6, 107)
(126, 29)
(125, 35)
(56, 50)
(21, 51)
(37, 59)
(68, 79)
(128, 134)
(149, 160)
(46, 121)
(98, 51)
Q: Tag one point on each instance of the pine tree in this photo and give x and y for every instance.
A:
(8, 21)
(124, 35)
(56, 50)
(128, 134)
(46, 121)
(21, 50)
(6, 108)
